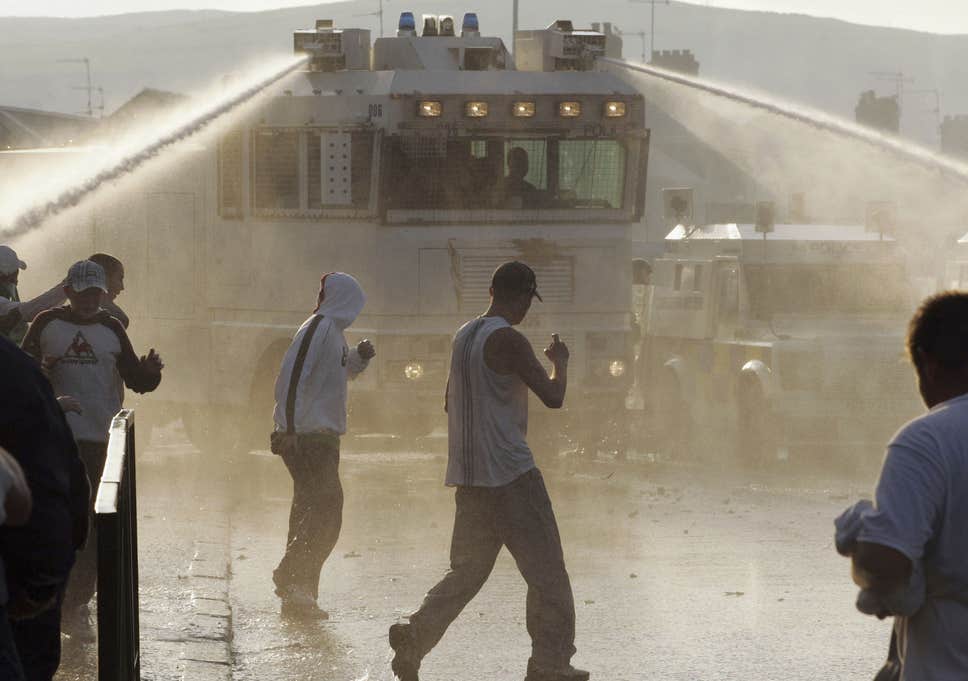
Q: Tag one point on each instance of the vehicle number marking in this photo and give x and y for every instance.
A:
(376, 111)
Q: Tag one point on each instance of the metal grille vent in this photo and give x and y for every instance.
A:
(556, 279)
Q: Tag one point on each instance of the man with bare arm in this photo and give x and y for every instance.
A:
(908, 547)
(500, 495)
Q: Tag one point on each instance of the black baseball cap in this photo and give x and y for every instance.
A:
(515, 278)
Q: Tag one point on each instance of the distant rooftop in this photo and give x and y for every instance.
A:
(24, 128)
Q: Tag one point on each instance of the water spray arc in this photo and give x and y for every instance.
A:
(35, 217)
(914, 153)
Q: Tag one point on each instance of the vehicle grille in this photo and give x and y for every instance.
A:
(556, 279)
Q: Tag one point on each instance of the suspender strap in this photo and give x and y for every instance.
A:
(297, 368)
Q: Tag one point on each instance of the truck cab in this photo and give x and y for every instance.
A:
(779, 345)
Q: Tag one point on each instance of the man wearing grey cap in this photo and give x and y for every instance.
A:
(86, 352)
(500, 495)
(14, 313)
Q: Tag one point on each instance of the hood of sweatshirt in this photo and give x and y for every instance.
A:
(340, 299)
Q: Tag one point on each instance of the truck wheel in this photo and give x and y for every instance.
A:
(256, 417)
(670, 417)
(213, 431)
(755, 436)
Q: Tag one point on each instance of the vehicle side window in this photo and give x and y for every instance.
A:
(276, 171)
(591, 173)
(300, 173)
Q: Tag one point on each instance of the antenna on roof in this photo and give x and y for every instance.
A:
(88, 87)
(377, 13)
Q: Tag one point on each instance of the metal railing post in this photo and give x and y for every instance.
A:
(116, 519)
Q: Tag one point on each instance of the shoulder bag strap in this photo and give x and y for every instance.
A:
(297, 372)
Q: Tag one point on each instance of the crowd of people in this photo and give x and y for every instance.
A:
(63, 386)
(66, 381)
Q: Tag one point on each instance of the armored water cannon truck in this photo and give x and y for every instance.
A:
(777, 341)
(418, 163)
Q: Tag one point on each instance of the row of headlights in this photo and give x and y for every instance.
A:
(414, 371)
(430, 108)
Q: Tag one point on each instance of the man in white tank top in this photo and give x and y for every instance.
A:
(501, 497)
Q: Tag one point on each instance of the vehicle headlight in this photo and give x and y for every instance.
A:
(616, 368)
(614, 109)
(475, 109)
(429, 109)
(569, 109)
(414, 371)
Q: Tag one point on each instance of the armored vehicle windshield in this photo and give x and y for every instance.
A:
(507, 172)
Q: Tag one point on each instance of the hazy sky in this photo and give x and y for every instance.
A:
(944, 16)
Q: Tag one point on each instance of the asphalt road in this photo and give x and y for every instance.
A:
(679, 572)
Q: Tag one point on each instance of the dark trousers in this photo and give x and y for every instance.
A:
(83, 581)
(10, 667)
(316, 515)
(38, 642)
(519, 516)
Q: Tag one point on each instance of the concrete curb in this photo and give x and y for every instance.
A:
(207, 650)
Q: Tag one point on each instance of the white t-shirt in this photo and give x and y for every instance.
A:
(487, 414)
(87, 359)
(921, 510)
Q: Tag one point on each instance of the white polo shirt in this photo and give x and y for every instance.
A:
(921, 510)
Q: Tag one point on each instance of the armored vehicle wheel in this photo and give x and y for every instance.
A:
(213, 431)
(670, 418)
(755, 428)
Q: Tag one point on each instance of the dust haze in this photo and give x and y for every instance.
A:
(691, 507)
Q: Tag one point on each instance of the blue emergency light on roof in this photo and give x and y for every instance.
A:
(407, 22)
(470, 24)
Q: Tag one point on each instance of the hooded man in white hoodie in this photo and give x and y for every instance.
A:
(310, 417)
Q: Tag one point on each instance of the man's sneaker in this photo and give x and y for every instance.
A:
(567, 673)
(299, 604)
(406, 658)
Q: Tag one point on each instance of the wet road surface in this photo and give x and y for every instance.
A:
(677, 574)
(179, 499)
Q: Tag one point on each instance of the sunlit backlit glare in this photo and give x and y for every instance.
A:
(429, 109)
(414, 371)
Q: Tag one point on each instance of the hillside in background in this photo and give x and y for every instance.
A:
(820, 62)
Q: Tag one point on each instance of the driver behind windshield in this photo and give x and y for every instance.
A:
(517, 192)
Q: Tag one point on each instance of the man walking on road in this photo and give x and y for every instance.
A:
(310, 417)
(501, 497)
(913, 539)
(87, 354)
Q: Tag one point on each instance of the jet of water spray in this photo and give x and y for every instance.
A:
(176, 131)
(947, 167)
